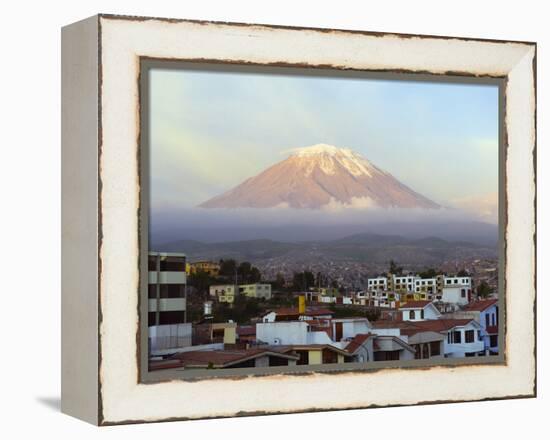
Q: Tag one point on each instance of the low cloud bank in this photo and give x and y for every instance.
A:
(334, 220)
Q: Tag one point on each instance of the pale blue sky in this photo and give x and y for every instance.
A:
(212, 130)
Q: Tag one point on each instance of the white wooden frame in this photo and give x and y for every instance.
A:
(100, 361)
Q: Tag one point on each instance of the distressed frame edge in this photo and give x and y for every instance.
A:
(125, 17)
(147, 63)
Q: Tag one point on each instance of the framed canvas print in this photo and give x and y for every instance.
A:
(264, 219)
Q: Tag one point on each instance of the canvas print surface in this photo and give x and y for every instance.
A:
(311, 219)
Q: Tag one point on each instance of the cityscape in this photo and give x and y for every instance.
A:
(224, 314)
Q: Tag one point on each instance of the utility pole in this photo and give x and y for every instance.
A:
(157, 311)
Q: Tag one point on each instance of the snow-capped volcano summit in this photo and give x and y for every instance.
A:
(315, 176)
(329, 156)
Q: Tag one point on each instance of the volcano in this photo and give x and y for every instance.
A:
(317, 176)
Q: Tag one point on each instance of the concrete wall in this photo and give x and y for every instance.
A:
(454, 295)
(163, 337)
(282, 333)
(167, 304)
(351, 328)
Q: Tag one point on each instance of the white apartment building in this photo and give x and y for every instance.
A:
(456, 290)
(378, 283)
(403, 283)
(426, 285)
(167, 283)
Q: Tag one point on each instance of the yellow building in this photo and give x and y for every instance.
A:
(224, 293)
(210, 267)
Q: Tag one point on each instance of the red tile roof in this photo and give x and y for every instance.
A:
(293, 311)
(480, 306)
(387, 323)
(414, 304)
(313, 347)
(440, 325)
(411, 328)
(357, 342)
(223, 358)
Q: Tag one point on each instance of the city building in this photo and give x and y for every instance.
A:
(318, 354)
(392, 348)
(256, 290)
(419, 311)
(425, 285)
(294, 313)
(167, 288)
(443, 289)
(224, 293)
(463, 337)
(170, 336)
(210, 267)
(486, 313)
(361, 347)
(401, 284)
(378, 283)
(219, 359)
(347, 328)
(215, 332)
(454, 290)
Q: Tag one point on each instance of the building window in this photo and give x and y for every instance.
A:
(152, 263)
(422, 314)
(469, 336)
(493, 341)
(463, 293)
(412, 314)
(487, 323)
(172, 264)
(457, 337)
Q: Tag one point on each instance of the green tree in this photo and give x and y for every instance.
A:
(228, 267)
(279, 282)
(428, 273)
(201, 281)
(483, 289)
(303, 280)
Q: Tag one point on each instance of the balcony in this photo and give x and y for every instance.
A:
(167, 305)
(168, 277)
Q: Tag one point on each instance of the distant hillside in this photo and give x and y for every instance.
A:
(372, 248)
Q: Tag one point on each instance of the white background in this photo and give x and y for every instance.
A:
(30, 216)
